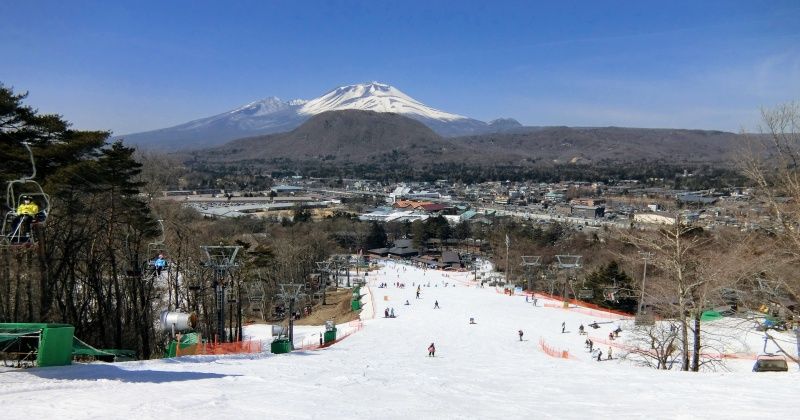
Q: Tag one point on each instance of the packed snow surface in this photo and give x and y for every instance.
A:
(480, 371)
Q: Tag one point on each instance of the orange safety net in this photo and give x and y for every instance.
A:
(238, 347)
(583, 307)
(552, 351)
(350, 328)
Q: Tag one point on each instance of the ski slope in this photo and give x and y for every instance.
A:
(480, 371)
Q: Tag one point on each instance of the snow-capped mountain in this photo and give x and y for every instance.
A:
(376, 97)
(273, 115)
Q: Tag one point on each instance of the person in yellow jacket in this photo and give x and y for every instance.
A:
(26, 212)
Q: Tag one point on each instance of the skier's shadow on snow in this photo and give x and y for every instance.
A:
(101, 371)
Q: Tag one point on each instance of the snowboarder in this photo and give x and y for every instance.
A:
(520, 335)
(563, 327)
(407, 302)
(611, 336)
(594, 325)
(580, 330)
(391, 313)
(431, 350)
(472, 320)
(386, 313)
(617, 331)
(417, 293)
(591, 345)
(526, 298)
(599, 355)
(535, 299)
(436, 305)
(609, 354)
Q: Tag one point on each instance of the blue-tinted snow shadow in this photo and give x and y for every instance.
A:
(114, 373)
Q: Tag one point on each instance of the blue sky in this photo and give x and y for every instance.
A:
(134, 66)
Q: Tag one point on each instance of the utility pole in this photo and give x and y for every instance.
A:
(508, 275)
(645, 256)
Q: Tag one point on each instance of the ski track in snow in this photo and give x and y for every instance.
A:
(480, 371)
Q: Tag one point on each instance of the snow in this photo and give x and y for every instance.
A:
(480, 371)
(376, 97)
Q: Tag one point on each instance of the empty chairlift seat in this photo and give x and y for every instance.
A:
(770, 363)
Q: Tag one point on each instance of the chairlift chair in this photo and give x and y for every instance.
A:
(770, 363)
(585, 293)
(610, 293)
(16, 190)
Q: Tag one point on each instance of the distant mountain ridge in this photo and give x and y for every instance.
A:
(368, 137)
(273, 115)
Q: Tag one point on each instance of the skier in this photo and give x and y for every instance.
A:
(563, 327)
(391, 313)
(609, 353)
(431, 350)
(520, 335)
(580, 330)
(436, 305)
(526, 298)
(159, 264)
(407, 302)
(599, 355)
(535, 299)
(386, 313)
(591, 345)
(611, 336)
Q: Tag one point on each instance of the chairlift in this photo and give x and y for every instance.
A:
(18, 228)
(770, 363)
(610, 293)
(157, 247)
(585, 293)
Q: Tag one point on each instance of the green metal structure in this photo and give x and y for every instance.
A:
(42, 344)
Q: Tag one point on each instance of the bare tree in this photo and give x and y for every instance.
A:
(655, 345)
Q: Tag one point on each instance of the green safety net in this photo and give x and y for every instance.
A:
(81, 349)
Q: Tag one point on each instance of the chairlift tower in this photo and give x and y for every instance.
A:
(342, 261)
(531, 264)
(221, 259)
(324, 268)
(569, 263)
(290, 294)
